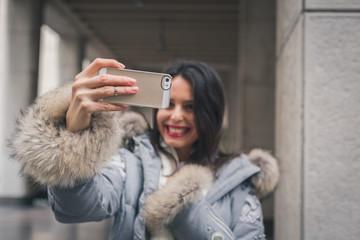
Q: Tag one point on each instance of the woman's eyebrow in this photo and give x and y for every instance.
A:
(185, 101)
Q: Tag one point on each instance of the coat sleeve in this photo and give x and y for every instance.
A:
(51, 155)
(94, 199)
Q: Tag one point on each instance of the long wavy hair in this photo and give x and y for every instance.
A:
(209, 107)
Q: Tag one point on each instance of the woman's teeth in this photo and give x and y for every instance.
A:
(177, 130)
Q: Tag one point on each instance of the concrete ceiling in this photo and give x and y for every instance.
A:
(161, 30)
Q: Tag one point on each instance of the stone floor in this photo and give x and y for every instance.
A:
(36, 222)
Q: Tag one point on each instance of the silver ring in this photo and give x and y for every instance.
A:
(115, 92)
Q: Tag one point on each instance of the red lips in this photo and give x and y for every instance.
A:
(176, 131)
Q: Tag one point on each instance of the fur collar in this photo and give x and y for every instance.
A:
(266, 180)
(186, 187)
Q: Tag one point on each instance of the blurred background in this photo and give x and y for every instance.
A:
(291, 70)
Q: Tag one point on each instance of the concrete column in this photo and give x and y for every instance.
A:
(253, 94)
(259, 73)
(317, 119)
(257, 79)
(3, 75)
(20, 34)
(72, 43)
(70, 57)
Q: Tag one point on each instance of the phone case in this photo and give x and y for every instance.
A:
(154, 88)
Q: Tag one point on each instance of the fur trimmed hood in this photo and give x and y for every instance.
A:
(193, 181)
(51, 155)
(187, 186)
(266, 180)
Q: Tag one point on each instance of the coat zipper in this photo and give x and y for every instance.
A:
(221, 225)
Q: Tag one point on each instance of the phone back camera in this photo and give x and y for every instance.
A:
(166, 83)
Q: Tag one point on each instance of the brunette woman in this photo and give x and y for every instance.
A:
(170, 182)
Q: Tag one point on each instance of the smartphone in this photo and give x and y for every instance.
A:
(154, 88)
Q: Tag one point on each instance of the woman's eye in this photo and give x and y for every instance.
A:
(171, 105)
(189, 107)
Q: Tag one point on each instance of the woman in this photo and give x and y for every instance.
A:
(171, 182)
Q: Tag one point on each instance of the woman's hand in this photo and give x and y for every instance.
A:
(87, 89)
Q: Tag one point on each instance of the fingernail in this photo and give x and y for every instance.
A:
(132, 81)
(134, 89)
(121, 66)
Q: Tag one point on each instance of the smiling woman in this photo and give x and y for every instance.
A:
(192, 124)
(177, 123)
(169, 182)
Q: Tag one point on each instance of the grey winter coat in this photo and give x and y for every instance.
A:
(91, 176)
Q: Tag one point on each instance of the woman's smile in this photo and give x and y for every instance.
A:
(176, 124)
(176, 131)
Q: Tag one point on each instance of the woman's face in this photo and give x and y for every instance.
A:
(177, 123)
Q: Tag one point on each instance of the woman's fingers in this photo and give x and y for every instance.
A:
(96, 65)
(84, 94)
(93, 107)
(109, 91)
(104, 80)
(88, 89)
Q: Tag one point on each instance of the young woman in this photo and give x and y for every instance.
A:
(169, 182)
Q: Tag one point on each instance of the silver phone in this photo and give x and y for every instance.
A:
(154, 88)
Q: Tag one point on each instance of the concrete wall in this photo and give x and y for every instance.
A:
(259, 73)
(289, 138)
(317, 120)
(20, 34)
(3, 20)
(332, 120)
(72, 45)
(257, 80)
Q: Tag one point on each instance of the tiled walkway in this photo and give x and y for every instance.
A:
(38, 223)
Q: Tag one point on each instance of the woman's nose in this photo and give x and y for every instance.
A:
(177, 114)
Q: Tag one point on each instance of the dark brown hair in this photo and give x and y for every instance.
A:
(209, 107)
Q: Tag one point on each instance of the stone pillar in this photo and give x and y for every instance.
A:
(72, 43)
(20, 34)
(317, 119)
(70, 57)
(257, 82)
(259, 73)
(3, 75)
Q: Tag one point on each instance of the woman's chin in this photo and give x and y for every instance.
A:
(176, 143)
